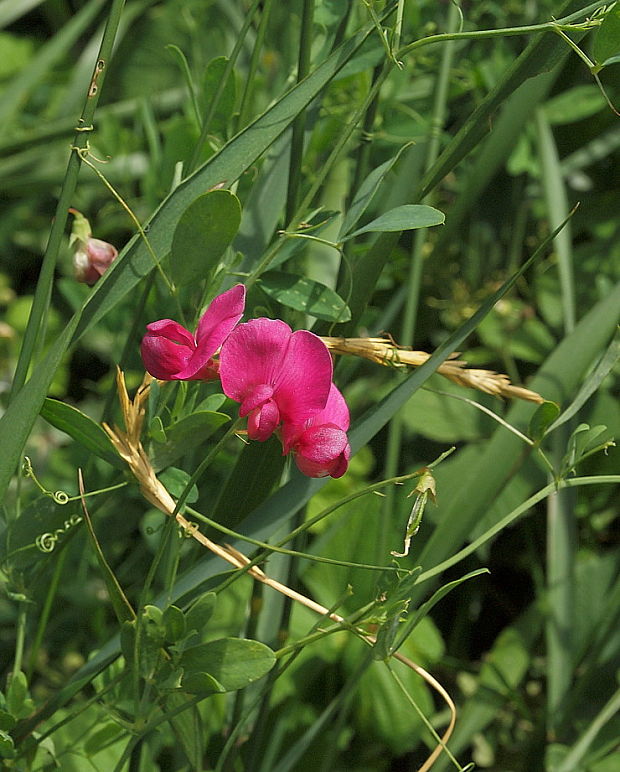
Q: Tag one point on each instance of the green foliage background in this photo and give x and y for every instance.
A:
(332, 115)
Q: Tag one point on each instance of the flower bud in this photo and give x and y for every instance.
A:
(91, 257)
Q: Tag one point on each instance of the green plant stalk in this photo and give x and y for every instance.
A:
(567, 24)
(270, 548)
(573, 482)
(576, 754)
(414, 278)
(195, 159)
(561, 550)
(318, 182)
(80, 142)
(246, 98)
(299, 124)
(46, 611)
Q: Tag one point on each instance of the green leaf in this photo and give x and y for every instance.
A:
(18, 702)
(82, 429)
(7, 720)
(7, 746)
(202, 683)
(607, 38)
(366, 192)
(305, 295)
(542, 419)
(185, 435)
(403, 218)
(232, 662)
(580, 442)
(174, 624)
(200, 612)
(214, 72)
(205, 229)
(175, 481)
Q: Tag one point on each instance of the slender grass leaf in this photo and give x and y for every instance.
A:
(542, 53)
(598, 375)
(82, 429)
(366, 192)
(232, 662)
(254, 476)
(556, 380)
(402, 218)
(10, 10)
(416, 617)
(17, 91)
(305, 295)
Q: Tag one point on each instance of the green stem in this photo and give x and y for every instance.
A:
(20, 637)
(573, 482)
(195, 159)
(319, 180)
(46, 611)
(246, 101)
(414, 279)
(299, 124)
(203, 465)
(549, 26)
(80, 141)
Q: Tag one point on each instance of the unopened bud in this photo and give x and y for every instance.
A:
(91, 257)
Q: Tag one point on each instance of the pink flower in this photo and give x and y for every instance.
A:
(320, 444)
(172, 353)
(91, 257)
(276, 374)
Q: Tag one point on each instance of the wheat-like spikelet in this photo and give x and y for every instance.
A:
(384, 351)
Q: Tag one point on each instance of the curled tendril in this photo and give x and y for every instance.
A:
(60, 497)
(46, 542)
(186, 532)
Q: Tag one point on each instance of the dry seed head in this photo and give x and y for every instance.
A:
(384, 351)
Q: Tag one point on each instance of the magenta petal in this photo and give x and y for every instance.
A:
(214, 326)
(220, 318)
(162, 358)
(254, 398)
(167, 328)
(321, 451)
(262, 422)
(304, 380)
(336, 411)
(252, 355)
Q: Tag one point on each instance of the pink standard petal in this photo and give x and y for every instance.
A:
(304, 379)
(252, 355)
